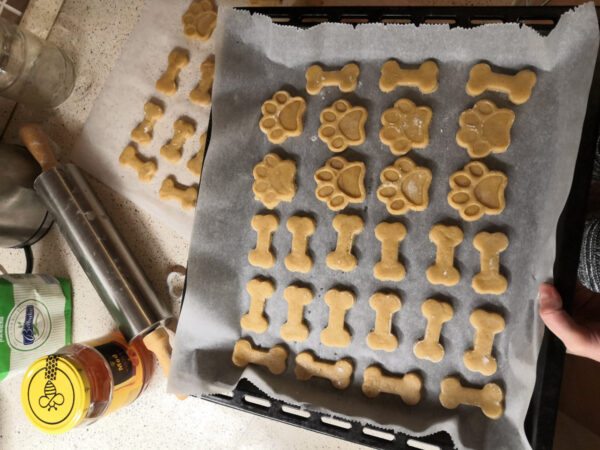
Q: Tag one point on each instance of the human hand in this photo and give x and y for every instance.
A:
(580, 331)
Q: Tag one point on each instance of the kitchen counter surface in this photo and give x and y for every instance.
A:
(92, 33)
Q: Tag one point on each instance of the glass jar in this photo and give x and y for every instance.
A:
(81, 383)
(33, 71)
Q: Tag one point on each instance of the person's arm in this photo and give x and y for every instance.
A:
(580, 332)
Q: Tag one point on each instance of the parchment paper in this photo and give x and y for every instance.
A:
(120, 107)
(255, 58)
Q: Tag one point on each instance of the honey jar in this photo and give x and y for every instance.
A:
(81, 383)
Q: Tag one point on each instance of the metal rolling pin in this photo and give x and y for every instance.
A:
(97, 245)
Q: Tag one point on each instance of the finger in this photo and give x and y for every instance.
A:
(574, 336)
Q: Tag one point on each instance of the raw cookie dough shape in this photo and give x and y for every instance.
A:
(436, 313)
(274, 180)
(476, 190)
(339, 373)
(405, 126)
(489, 280)
(142, 134)
(489, 398)
(182, 130)
(260, 291)
(518, 86)
(186, 196)
(342, 125)
(282, 117)
(485, 129)
(199, 20)
(264, 226)
(487, 325)
(446, 238)
(166, 84)
(131, 158)
(407, 387)
(297, 298)
(336, 334)
(347, 227)
(194, 165)
(298, 259)
(404, 186)
(274, 359)
(346, 79)
(425, 77)
(340, 182)
(389, 268)
(385, 305)
(201, 94)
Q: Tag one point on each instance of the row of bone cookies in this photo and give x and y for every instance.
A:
(336, 334)
(488, 281)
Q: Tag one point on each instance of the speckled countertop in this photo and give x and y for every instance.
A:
(92, 33)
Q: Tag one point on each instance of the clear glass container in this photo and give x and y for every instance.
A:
(81, 383)
(33, 71)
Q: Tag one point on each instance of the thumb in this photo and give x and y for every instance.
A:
(559, 321)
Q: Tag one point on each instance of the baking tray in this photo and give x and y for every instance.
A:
(541, 415)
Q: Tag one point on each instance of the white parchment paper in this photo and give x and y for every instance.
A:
(255, 58)
(120, 107)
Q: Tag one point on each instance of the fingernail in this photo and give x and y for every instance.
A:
(548, 300)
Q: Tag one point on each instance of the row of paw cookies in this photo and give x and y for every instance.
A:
(199, 22)
(390, 234)
(375, 380)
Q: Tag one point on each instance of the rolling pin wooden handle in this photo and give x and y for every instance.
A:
(157, 341)
(36, 142)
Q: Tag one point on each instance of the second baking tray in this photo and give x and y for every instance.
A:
(541, 416)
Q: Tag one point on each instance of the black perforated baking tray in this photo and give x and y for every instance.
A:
(541, 416)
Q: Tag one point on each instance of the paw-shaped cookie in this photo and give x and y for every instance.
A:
(274, 180)
(476, 191)
(282, 117)
(405, 126)
(404, 186)
(485, 129)
(340, 182)
(199, 20)
(342, 125)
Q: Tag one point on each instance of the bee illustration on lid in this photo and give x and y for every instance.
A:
(51, 398)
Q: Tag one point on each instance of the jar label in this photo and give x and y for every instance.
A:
(121, 366)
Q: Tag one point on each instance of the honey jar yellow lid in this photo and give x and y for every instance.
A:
(55, 394)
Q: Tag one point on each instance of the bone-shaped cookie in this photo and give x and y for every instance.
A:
(489, 398)
(297, 298)
(182, 130)
(425, 77)
(186, 196)
(201, 94)
(142, 134)
(301, 228)
(487, 325)
(437, 313)
(347, 227)
(336, 334)
(274, 359)
(346, 79)
(166, 84)
(339, 373)
(145, 169)
(194, 165)
(407, 387)
(518, 86)
(260, 291)
(264, 226)
(389, 268)
(385, 305)
(443, 271)
(489, 280)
